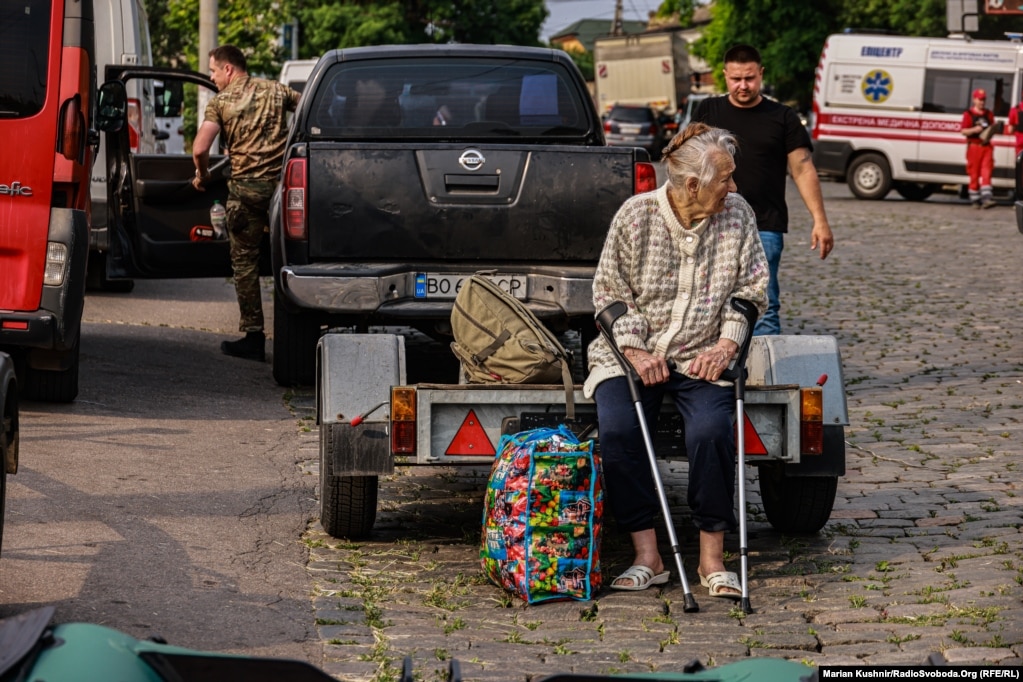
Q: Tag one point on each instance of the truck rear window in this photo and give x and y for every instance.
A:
(438, 98)
(24, 56)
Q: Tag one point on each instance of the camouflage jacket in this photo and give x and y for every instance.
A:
(252, 115)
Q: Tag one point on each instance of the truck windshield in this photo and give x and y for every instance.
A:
(24, 57)
(437, 98)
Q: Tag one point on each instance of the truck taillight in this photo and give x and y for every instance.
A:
(403, 420)
(646, 178)
(294, 199)
(71, 142)
(811, 421)
(56, 260)
(607, 126)
(134, 124)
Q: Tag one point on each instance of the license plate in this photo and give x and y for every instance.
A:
(440, 286)
(629, 130)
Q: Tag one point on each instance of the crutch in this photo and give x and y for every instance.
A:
(737, 373)
(605, 321)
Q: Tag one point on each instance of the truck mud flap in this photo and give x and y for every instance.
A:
(363, 450)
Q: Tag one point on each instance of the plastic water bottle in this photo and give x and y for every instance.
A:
(218, 219)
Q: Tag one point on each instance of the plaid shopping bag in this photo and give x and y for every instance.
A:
(542, 516)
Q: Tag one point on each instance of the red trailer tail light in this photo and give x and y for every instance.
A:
(294, 199)
(811, 421)
(403, 420)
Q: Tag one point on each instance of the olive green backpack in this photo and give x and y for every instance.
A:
(499, 340)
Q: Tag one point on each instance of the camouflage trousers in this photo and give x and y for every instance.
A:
(248, 205)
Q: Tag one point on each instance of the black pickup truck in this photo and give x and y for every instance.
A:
(410, 167)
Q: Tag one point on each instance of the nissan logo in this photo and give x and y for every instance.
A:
(471, 160)
(15, 189)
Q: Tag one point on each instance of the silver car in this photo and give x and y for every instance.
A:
(634, 126)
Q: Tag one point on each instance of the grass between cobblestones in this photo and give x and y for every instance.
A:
(923, 552)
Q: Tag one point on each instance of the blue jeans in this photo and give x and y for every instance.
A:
(708, 417)
(770, 323)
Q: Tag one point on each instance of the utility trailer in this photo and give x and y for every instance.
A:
(372, 420)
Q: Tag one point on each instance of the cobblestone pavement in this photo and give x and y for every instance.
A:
(923, 552)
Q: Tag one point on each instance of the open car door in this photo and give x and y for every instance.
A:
(158, 222)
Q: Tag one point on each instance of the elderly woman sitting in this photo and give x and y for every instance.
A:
(676, 256)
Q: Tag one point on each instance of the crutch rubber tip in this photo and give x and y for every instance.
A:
(745, 606)
(689, 604)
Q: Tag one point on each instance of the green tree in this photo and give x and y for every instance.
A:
(252, 25)
(680, 10)
(919, 18)
(329, 24)
(788, 33)
(908, 17)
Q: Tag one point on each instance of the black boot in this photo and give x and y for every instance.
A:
(251, 347)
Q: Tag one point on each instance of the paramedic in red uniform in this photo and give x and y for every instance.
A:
(980, 160)
(1016, 125)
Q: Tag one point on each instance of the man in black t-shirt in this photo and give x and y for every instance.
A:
(771, 139)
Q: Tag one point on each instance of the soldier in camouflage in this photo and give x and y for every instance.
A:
(252, 115)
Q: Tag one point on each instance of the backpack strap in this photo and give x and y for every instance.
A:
(566, 377)
(492, 348)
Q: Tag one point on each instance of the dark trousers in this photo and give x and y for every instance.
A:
(708, 414)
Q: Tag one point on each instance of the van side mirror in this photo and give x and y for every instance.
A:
(112, 108)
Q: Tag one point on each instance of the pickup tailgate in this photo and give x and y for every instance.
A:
(447, 202)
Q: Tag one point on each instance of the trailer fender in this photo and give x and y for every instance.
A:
(801, 360)
(354, 375)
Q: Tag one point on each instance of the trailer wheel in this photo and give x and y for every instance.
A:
(869, 177)
(796, 505)
(294, 346)
(348, 504)
(915, 191)
(53, 386)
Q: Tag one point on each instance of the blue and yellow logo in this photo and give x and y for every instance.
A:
(877, 86)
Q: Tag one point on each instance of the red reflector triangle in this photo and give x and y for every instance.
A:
(754, 446)
(471, 439)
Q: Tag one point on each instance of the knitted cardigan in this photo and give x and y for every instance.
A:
(677, 282)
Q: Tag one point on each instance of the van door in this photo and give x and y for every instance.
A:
(157, 218)
(947, 97)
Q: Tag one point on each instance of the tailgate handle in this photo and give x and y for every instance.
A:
(471, 183)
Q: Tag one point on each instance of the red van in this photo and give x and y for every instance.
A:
(47, 80)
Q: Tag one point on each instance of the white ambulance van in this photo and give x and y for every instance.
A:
(887, 110)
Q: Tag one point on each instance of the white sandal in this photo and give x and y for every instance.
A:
(641, 577)
(719, 582)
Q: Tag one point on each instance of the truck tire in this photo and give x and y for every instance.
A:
(348, 504)
(53, 386)
(915, 191)
(796, 505)
(294, 346)
(870, 177)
